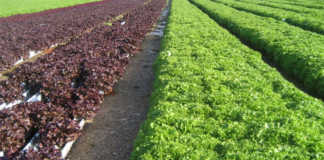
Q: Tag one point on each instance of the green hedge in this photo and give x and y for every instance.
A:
(305, 21)
(215, 98)
(299, 53)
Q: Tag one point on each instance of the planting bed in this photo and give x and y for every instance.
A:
(24, 36)
(303, 3)
(288, 7)
(297, 52)
(59, 90)
(308, 22)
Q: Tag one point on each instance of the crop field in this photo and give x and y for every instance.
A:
(234, 79)
(13, 7)
(67, 61)
(216, 98)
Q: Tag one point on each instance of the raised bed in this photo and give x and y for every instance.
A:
(71, 82)
(23, 35)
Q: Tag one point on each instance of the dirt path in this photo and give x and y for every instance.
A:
(111, 135)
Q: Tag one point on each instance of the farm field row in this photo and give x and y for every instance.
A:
(302, 3)
(289, 7)
(305, 21)
(25, 36)
(52, 96)
(214, 98)
(296, 51)
(13, 7)
(84, 24)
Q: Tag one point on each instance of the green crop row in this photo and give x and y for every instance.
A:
(305, 21)
(214, 98)
(289, 7)
(298, 52)
(13, 7)
(304, 3)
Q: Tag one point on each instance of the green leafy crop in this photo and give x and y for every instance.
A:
(289, 7)
(309, 22)
(214, 98)
(298, 52)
